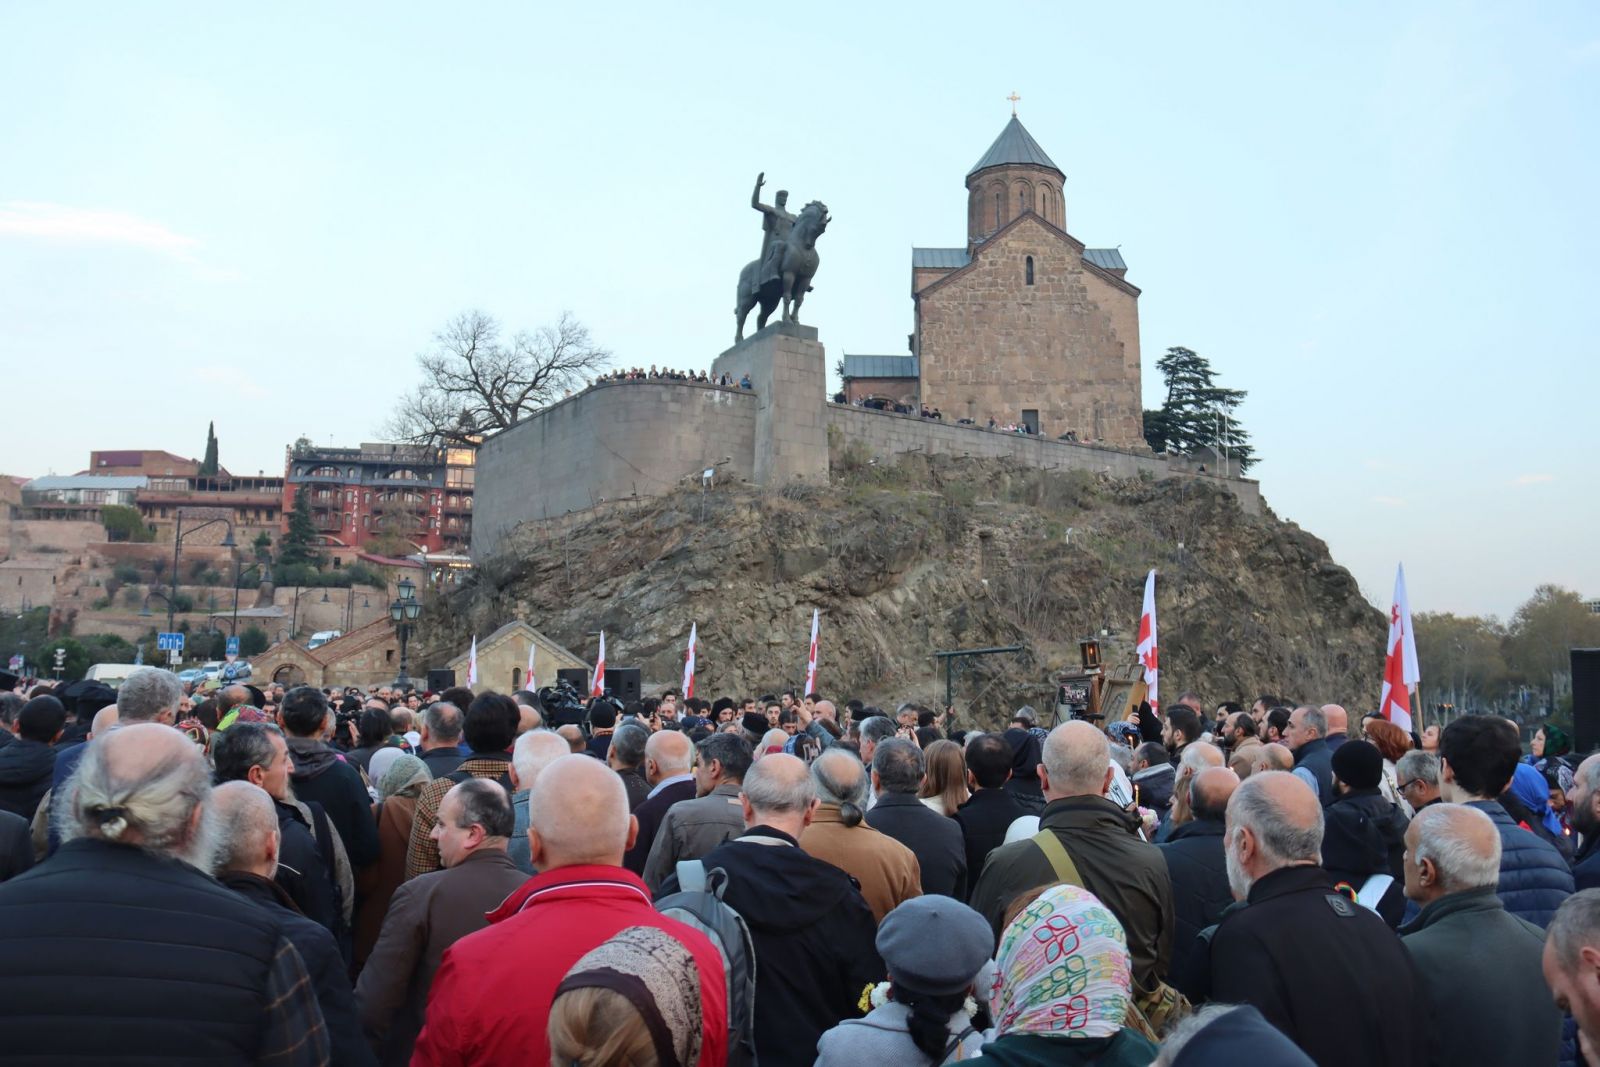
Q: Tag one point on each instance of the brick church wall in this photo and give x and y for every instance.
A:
(1066, 346)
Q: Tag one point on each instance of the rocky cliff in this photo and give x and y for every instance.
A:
(931, 554)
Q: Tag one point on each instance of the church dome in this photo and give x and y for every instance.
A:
(1014, 177)
(1014, 147)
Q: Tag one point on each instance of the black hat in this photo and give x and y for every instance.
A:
(754, 723)
(1358, 764)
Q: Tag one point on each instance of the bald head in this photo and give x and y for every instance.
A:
(247, 826)
(1284, 816)
(1450, 848)
(1210, 791)
(573, 736)
(1338, 719)
(232, 696)
(578, 813)
(667, 753)
(1077, 761)
(104, 720)
(1272, 757)
(826, 710)
(778, 791)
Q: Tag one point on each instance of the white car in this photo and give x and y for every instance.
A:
(322, 637)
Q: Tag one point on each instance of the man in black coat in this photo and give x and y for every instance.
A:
(991, 809)
(97, 936)
(1199, 872)
(246, 821)
(669, 768)
(321, 776)
(897, 772)
(27, 764)
(1364, 833)
(1583, 812)
(1308, 957)
(813, 932)
(257, 753)
(16, 845)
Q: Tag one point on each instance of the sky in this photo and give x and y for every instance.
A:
(1378, 219)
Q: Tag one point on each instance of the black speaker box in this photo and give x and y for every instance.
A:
(623, 683)
(1586, 699)
(440, 680)
(578, 677)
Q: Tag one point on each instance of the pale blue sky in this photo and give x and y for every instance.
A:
(1379, 219)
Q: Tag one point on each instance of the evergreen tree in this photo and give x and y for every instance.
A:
(298, 546)
(208, 466)
(1197, 411)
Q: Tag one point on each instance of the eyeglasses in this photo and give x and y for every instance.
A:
(1407, 785)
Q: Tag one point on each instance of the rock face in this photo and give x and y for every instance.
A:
(935, 553)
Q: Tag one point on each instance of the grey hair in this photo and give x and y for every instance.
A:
(1575, 927)
(157, 806)
(1314, 718)
(899, 764)
(1443, 838)
(484, 803)
(1419, 764)
(628, 743)
(146, 694)
(533, 752)
(1280, 842)
(1122, 756)
(245, 815)
(1185, 1031)
(841, 780)
(877, 729)
(1589, 779)
(10, 706)
(770, 795)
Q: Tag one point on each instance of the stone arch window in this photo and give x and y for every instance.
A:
(1028, 270)
(1047, 198)
(999, 208)
(1024, 195)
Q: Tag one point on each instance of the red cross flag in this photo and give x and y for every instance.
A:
(1148, 650)
(530, 682)
(688, 663)
(1400, 670)
(811, 661)
(472, 663)
(599, 687)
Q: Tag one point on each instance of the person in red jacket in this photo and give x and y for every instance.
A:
(491, 998)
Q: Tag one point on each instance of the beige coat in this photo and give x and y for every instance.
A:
(887, 870)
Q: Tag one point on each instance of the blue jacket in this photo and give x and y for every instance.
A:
(1534, 878)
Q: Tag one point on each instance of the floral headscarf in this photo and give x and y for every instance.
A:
(1062, 968)
(659, 977)
(405, 777)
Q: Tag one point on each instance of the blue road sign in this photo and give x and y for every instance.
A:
(172, 642)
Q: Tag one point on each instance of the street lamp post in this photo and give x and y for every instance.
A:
(177, 546)
(238, 576)
(404, 612)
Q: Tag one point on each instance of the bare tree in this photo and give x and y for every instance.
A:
(475, 383)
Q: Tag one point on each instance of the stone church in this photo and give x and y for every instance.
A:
(1024, 324)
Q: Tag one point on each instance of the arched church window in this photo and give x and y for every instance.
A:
(1029, 270)
(999, 206)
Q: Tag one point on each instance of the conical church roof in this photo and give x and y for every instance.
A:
(1014, 146)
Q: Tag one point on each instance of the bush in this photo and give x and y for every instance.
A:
(124, 524)
(126, 573)
(252, 642)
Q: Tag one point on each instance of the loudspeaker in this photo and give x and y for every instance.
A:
(441, 679)
(623, 683)
(1585, 699)
(578, 677)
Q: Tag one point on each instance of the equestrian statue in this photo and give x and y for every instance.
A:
(788, 259)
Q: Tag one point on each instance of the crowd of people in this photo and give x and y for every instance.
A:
(665, 374)
(387, 876)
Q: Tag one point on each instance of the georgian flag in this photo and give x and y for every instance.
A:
(811, 661)
(1400, 670)
(599, 687)
(472, 663)
(1148, 650)
(688, 663)
(529, 682)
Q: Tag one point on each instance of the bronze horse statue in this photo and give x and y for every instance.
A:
(799, 266)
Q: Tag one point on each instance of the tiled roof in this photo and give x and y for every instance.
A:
(880, 366)
(1014, 146)
(939, 258)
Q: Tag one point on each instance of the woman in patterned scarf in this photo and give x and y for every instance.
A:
(397, 789)
(1061, 995)
(633, 1000)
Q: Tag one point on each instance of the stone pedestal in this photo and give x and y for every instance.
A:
(788, 372)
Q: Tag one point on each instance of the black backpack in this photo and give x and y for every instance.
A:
(698, 903)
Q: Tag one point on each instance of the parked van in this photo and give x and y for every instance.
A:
(112, 674)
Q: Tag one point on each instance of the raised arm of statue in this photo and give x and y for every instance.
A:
(755, 194)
